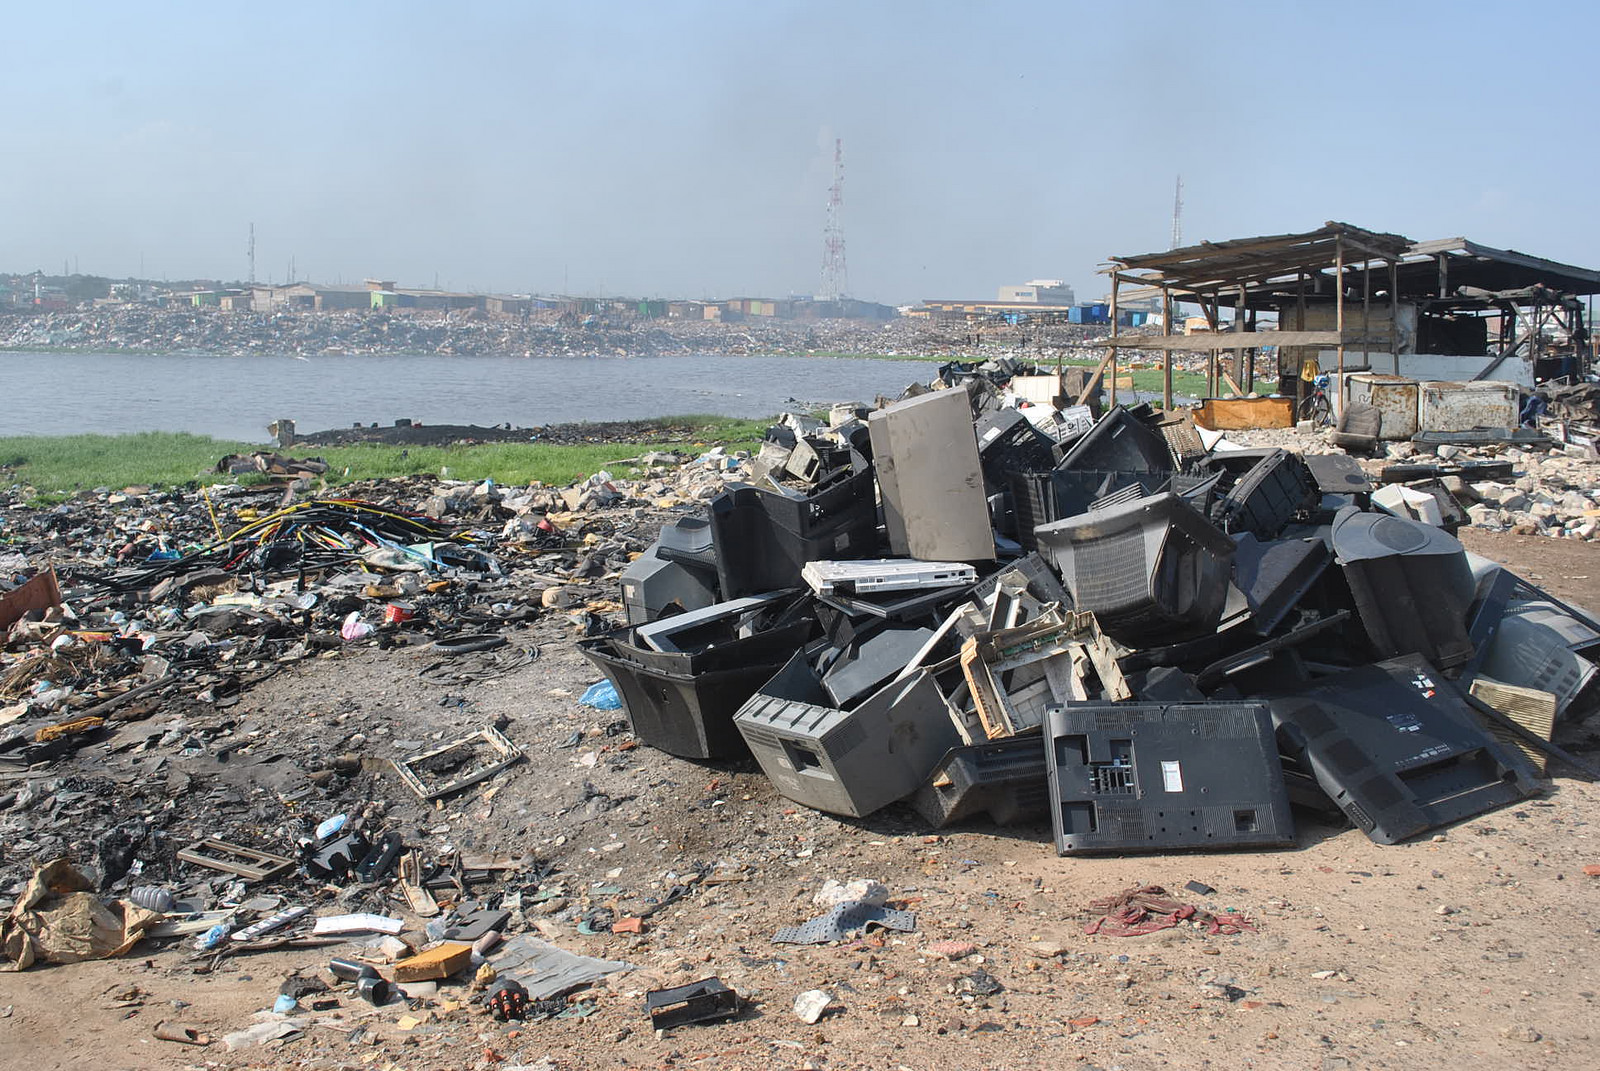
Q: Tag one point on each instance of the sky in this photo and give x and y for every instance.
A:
(685, 149)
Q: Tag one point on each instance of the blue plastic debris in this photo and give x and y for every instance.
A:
(602, 696)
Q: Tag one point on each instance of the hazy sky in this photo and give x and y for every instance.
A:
(686, 148)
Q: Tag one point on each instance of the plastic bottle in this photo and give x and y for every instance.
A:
(153, 898)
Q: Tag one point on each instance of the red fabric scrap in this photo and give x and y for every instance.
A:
(1145, 909)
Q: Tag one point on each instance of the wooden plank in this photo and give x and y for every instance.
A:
(1094, 380)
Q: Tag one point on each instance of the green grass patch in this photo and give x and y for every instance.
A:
(56, 466)
(75, 462)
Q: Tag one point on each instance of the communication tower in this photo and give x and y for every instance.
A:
(835, 276)
(1177, 214)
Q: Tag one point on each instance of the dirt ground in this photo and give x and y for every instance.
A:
(1480, 944)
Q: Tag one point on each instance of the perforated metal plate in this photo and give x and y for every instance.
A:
(842, 920)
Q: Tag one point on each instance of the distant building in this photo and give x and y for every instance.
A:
(318, 297)
(1039, 292)
(508, 304)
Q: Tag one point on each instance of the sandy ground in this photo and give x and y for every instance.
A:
(1480, 944)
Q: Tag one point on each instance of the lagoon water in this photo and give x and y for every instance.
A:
(236, 397)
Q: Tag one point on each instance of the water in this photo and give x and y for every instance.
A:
(236, 397)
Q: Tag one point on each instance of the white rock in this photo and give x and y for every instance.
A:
(809, 1006)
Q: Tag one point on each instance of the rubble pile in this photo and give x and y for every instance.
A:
(961, 608)
(178, 329)
(133, 623)
(1152, 635)
(1547, 488)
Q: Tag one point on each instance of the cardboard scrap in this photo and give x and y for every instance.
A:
(40, 593)
(440, 961)
(58, 920)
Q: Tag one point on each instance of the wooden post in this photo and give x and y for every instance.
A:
(1250, 358)
(1366, 310)
(1166, 355)
(1338, 299)
(1116, 284)
(1300, 325)
(1238, 329)
(1213, 382)
(1394, 314)
(1444, 276)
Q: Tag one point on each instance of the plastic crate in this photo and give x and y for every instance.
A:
(846, 762)
(685, 714)
(1159, 777)
(764, 539)
(1152, 571)
(1033, 503)
(1006, 780)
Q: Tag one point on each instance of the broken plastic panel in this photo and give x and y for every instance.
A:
(1160, 777)
(698, 629)
(1397, 748)
(871, 661)
(1274, 576)
(844, 919)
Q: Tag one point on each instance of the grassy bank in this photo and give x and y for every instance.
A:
(57, 465)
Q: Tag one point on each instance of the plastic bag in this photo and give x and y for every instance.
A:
(602, 696)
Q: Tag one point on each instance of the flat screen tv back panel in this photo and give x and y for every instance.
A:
(1165, 776)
